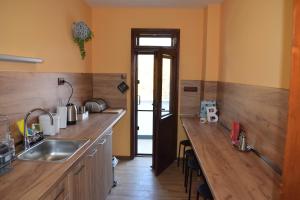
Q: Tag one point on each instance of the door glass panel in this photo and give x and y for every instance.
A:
(166, 86)
(145, 101)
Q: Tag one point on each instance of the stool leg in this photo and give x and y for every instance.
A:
(183, 159)
(191, 177)
(186, 175)
(178, 157)
(197, 195)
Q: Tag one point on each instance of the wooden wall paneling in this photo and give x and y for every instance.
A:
(190, 100)
(291, 172)
(262, 111)
(105, 86)
(209, 90)
(22, 91)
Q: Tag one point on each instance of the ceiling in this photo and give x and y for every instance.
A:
(152, 3)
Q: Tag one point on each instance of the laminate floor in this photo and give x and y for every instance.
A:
(136, 181)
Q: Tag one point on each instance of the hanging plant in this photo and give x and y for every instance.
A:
(81, 34)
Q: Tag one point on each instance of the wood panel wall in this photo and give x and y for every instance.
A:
(23, 91)
(106, 86)
(190, 100)
(262, 111)
(209, 90)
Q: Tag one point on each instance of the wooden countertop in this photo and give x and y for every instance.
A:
(230, 174)
(32, 179)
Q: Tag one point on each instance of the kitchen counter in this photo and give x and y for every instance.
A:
(33, 179)
(230, 174)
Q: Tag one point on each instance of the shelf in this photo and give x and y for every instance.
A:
(11, 58)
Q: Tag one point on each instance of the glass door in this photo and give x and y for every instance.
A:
(145, 77)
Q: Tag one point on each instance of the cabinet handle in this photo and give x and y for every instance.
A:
(60, 193)
(81, 168)
(109, 133)
(93, 154)
(102, 142)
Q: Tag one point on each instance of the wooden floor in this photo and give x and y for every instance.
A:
(136, 181)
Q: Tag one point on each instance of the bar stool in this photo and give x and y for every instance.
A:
(204, 192)
(185, 144)
(192, 164)
(188, 154)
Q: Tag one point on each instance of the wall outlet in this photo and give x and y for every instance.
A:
(61, 81)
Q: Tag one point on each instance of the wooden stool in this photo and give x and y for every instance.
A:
(192, 164)
(188, 154)
(204, 191)
(184, 143)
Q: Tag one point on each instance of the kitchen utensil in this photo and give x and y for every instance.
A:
(95, 105)
(4, 127)
(45, 123)
(235, 131)
(62, 112)
(71, 114)
(81, 109)
(243, 143)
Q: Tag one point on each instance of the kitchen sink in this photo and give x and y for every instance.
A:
(52, 150)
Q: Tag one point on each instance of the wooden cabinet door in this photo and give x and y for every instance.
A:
(108, 176)
(78, 182)
(59, 192)
(92, 173)
(95, 164)
(100, 163)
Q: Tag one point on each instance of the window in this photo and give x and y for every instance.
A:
(155, 41)
(147, 38)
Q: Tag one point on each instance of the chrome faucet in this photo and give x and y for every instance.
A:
(26, 141)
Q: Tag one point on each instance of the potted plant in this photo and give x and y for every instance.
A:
(81, 34)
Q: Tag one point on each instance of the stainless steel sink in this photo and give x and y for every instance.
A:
(52, 150)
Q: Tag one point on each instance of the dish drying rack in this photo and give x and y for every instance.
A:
(6, 161)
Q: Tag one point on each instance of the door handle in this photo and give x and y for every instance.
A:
(139, 100)
(80, 169)
(109, 133)
(102, 142)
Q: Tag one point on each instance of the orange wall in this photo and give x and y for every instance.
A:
(111, 48)
(212, 47)
(42, 29)
(256, 42)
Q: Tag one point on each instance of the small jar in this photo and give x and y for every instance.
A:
(4, 128)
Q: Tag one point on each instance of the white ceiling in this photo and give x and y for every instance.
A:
(152, 3)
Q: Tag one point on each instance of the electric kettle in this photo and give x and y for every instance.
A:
(71, 114)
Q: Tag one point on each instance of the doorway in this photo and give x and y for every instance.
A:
(145, 66)
(155, 95)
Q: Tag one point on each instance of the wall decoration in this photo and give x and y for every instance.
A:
(81, 34)
(123, 87)
(204, 112)
(212, 114)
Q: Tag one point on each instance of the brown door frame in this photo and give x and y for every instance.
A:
(135, 32)
(291, 166)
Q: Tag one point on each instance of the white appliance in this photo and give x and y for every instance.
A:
(46, 126)
(62, 112)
